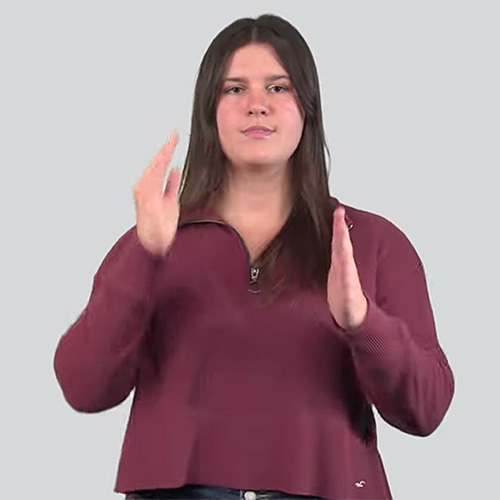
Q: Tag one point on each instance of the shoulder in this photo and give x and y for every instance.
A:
(366, 219)
(374, 222)
(377, 230)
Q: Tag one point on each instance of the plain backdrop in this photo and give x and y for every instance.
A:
(89, 92)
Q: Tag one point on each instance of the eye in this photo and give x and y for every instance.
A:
(279, 87)
(231, 89)
(228, 91)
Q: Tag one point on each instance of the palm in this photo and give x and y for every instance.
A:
(346, 299)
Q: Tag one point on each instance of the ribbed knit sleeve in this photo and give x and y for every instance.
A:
(96, 359)
(396, 353)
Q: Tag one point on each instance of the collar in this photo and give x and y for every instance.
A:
(209, 214)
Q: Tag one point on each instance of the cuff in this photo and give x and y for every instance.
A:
(379, 335)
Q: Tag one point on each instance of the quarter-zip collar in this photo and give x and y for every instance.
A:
(206, 213)
(209, 214)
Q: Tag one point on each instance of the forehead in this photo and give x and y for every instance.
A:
(254, 59)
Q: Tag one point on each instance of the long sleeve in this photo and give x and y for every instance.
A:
(96, 359)
(398, 360)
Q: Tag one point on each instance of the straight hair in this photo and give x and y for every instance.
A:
(305, 238)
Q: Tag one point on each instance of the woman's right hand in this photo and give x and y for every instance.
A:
(157, 210)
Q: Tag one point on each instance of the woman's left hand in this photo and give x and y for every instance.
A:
(346, 299)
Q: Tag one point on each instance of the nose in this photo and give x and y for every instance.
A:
(257, 103)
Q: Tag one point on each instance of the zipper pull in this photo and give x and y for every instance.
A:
(254, 275)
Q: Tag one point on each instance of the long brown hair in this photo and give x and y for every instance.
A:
(306, 236)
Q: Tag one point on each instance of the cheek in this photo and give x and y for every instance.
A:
(224, 116)
(292, 110)
(292, 120)
(225, 127)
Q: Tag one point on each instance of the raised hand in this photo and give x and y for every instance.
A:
(346, 299)
(157, 210)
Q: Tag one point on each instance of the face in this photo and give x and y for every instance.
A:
(256, 90)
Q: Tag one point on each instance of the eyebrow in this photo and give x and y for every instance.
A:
(268, 78)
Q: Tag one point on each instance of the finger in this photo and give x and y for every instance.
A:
(154, 175)
(337, 226)
(173, 183)
(341, 242)
(165, 154)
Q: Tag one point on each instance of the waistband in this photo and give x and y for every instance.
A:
(195, 492)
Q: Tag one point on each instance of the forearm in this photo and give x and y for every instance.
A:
(96, 359)
(410, 384)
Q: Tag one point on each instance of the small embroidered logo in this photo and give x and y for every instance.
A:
(360, 484)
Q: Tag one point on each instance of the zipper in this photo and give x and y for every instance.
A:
(254, 271)
(254, 274)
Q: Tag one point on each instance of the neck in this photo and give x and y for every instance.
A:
(252, 195)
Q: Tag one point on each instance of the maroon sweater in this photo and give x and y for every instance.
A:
(231, 393)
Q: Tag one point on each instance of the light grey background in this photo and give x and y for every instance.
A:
(88, 94)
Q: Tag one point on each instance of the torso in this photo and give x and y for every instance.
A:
(255, 244)
(257, 237)
(257, 231)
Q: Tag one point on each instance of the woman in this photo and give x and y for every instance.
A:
(258, 319)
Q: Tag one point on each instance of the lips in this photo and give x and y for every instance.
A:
(258, 131)
(258, 128)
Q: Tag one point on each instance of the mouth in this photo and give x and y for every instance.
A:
(258, 132)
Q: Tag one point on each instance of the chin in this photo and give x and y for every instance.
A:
(260, 162)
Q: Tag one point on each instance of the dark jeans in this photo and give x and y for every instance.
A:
(199, 491)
